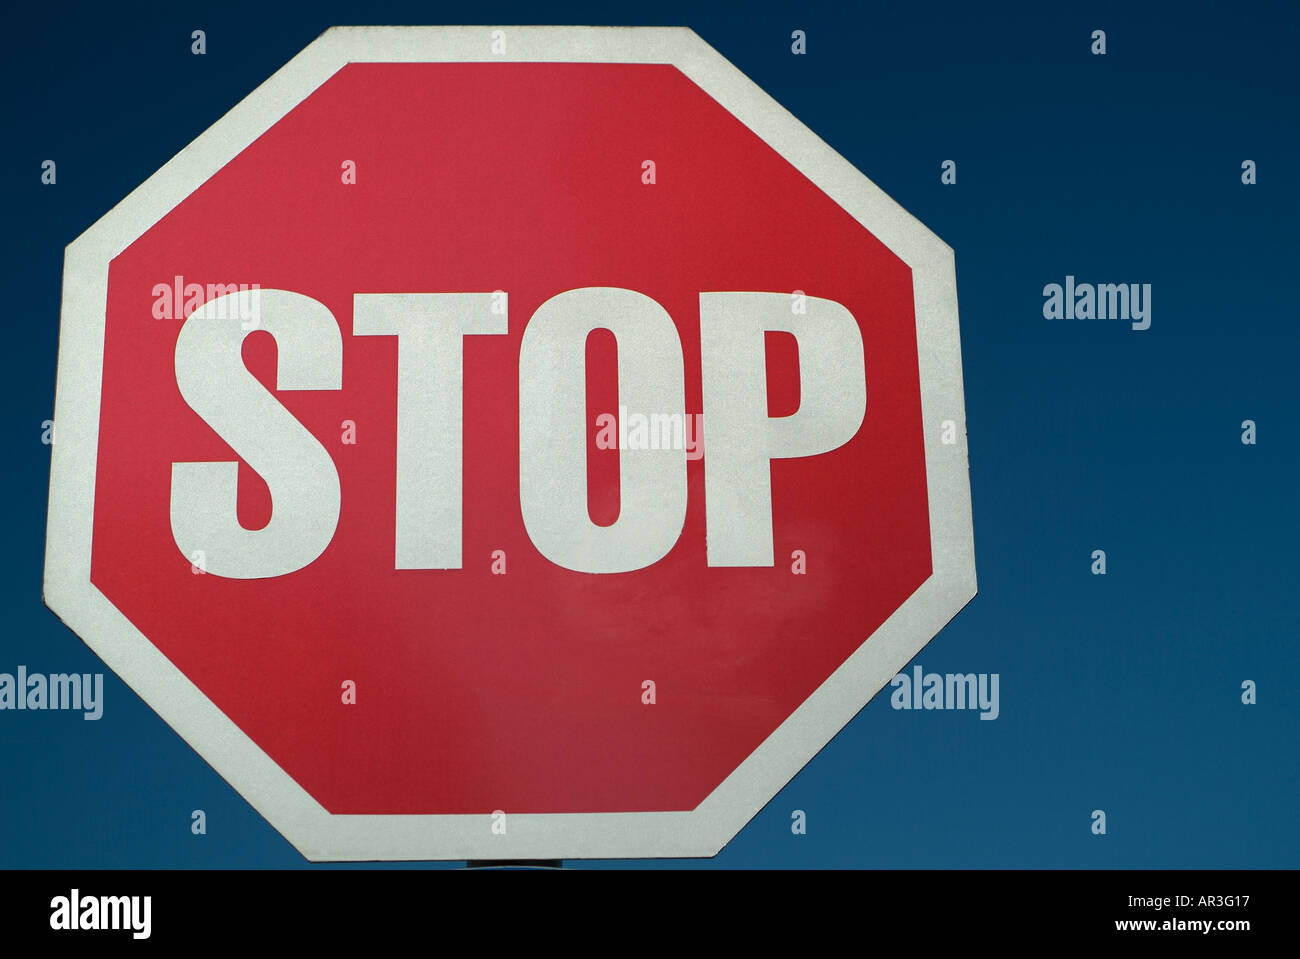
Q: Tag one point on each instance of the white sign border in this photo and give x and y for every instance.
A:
(306, 824)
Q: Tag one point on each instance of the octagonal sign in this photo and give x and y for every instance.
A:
(517, 443)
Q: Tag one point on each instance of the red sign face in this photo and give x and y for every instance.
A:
(490, 439)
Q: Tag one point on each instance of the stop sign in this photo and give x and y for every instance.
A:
(524, 443)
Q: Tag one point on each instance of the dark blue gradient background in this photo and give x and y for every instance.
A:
(1119, 692)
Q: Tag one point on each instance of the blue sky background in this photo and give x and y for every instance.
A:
(1119, 692)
